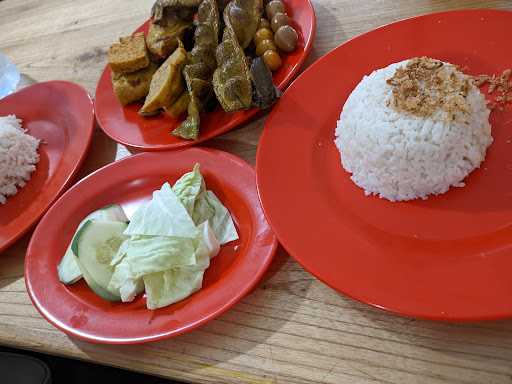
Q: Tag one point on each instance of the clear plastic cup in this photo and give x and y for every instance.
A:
(9, 76)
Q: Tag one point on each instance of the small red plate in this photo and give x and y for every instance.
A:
(61, 115)
(77, 311)
(448, 257)
(126, 126)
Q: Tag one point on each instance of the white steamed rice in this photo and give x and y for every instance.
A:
(401, 156)
(18, 156)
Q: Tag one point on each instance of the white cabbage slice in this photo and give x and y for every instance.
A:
(172, 239)
(164, 215)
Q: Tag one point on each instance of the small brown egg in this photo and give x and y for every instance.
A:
(286, 38)
(272, 60)
(264, 46)
(263, 34)
(264, 23)
(279, 20)
(274, 7)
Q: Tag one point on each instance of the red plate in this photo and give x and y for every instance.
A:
(61, 114)
(126, 126)
(77, 311)
(449, 257)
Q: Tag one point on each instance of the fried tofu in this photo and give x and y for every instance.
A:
(167, 83)
(131, 87)
(129, 55)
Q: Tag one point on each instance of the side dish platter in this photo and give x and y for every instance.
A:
(49, 124)
(419, 225)
(214, 94)
(154, 261)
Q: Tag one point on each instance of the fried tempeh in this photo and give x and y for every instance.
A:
(129, 55)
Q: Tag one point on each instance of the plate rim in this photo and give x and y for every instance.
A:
(157, 336)
(76, 166)
(283, 241)
(250, 114)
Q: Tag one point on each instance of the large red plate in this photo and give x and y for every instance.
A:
(61, 115)
(448, 257)
(126, 126)
(79, 312)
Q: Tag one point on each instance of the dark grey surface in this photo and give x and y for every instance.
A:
(65, 371)
(22, 369)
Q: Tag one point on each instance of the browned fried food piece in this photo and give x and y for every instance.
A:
(200, 67)
(181, 9)
(163, 38)
(129, 55)
(167, 82)
(232, 78)
(244, 16)
(179, 107)
(130, 87)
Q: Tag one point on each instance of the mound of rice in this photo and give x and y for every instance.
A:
(18, 156)
(403, 156)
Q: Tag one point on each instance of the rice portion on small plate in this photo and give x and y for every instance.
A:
(18, 156)
(413, 129)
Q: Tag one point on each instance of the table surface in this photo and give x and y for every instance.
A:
(292, 328)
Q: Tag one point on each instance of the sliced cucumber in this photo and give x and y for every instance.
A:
(95, 245)
(69, 272)
(97, 289)
(112, 212)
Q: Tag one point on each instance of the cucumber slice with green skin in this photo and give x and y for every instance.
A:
(96, 288)
(95, 245)
(112, 212)
(69, 272)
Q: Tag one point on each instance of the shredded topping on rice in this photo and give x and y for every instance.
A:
(499, 85)
(425, 86)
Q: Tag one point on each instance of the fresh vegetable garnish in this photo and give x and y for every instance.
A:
(164, 250)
